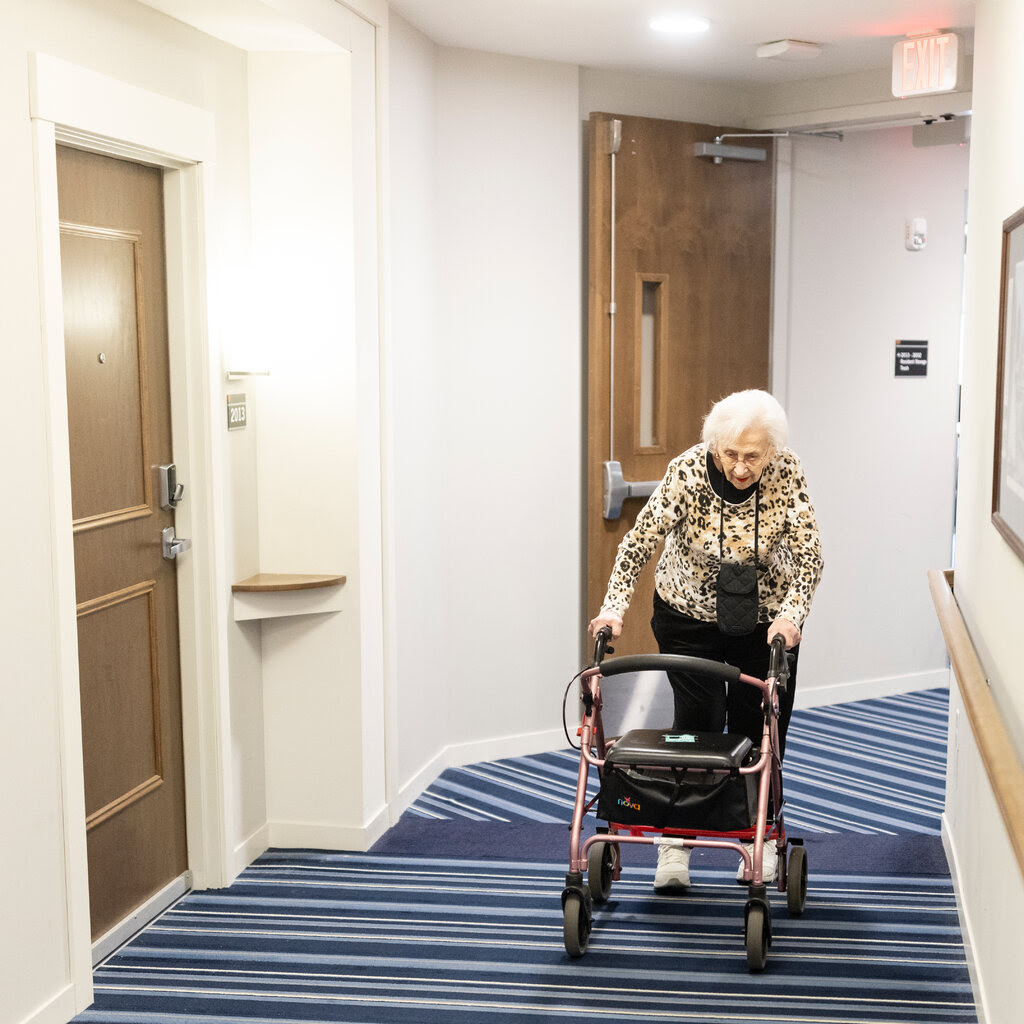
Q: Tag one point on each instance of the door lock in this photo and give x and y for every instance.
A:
(173, 546)
(171, 492)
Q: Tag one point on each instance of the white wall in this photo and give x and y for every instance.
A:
(879, 452)
(33, 902)
(509, 318)
(419, 396)
(311, 480)
(488, 393)
(989, 578)
(986, 873)
(671, 97)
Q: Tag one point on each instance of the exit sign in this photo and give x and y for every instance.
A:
(925, 64)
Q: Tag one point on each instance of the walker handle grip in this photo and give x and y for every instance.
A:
(603, 635)
(670, 663)
(778, 662)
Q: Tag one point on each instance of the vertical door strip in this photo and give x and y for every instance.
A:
(613, 142)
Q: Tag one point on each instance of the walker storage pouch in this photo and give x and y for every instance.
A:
(674, 798)
(670, 780)
(737, 598)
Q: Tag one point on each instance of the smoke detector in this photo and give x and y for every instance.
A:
(790, 49)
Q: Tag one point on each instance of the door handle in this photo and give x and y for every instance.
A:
(616, 489)
(173, 546)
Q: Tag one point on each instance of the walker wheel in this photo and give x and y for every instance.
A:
(796, 881)
(575, 925)
(600, 869)
(758, 935)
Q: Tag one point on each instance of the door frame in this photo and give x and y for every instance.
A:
(74, 106)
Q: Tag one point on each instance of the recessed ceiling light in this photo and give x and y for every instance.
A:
(679, 24)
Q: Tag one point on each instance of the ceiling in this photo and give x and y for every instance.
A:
(855, 35)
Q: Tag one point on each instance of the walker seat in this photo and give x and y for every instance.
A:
(712, 751)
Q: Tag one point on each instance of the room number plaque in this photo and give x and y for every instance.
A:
(236, 412)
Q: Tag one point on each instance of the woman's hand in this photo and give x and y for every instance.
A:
(609, 619)
(786, 628)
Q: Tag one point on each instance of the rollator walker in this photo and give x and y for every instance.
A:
(706, 790)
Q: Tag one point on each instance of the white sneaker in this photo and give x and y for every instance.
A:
(673, 866)
(769, 861)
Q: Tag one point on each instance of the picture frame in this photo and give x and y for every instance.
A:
(1008, 470)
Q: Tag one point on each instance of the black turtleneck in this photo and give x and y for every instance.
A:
(723, 488)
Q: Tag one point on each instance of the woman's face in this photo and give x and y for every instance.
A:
(743, 459)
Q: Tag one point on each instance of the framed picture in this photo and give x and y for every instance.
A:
(1008, 478)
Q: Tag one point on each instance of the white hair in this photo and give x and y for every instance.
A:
(745, 410)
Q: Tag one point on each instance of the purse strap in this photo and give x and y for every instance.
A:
(721, 525)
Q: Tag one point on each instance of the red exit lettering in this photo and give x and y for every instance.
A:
(925, 64)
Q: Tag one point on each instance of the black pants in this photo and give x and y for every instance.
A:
(702, 704)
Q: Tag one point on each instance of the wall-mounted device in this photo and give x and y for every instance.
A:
(917, 234)
(171, 492)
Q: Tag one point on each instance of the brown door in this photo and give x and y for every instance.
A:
(115, 335)
(692, 313)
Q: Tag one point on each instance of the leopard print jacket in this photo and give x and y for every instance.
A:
(685, 510)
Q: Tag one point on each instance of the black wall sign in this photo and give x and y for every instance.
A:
(911, 358)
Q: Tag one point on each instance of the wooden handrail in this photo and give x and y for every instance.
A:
(1003, 767)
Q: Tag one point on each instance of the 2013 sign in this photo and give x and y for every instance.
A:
(236, 412)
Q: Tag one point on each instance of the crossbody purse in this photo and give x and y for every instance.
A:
(737, 583)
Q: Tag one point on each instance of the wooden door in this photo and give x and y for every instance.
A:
(115, 333)
(692, 313)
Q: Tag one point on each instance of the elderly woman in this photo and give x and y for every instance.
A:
(741, 563)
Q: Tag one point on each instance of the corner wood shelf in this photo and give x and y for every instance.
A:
(273, 595)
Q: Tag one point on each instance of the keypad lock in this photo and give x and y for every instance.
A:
(171, 492)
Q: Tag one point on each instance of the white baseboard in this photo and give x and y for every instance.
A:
(299, 835)
(966, 932)
(140, 917)
(249, 849)
(292, 835)
(524, 744)
(410, 791)
(58, 1010)
(865, 689)
(518, 745)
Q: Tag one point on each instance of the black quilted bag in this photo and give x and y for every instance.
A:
(737, 598)
(737, 584)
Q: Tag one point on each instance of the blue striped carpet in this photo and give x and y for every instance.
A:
(873, 766)
(476, 935)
